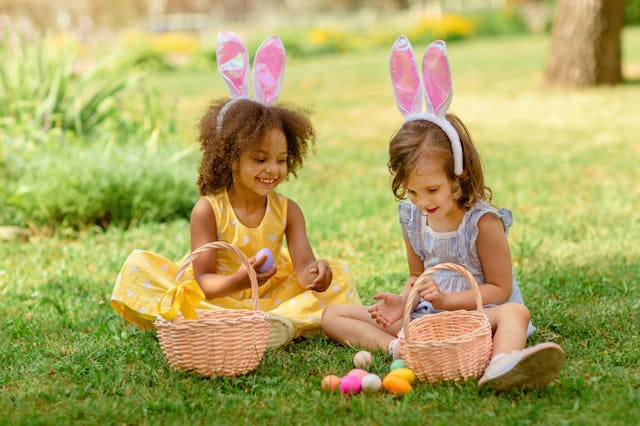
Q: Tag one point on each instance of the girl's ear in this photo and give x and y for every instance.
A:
(405, 79)
(233, 63)
(268, 70)
(436, 76)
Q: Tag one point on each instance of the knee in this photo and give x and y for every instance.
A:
(328, 314)
(515, 311)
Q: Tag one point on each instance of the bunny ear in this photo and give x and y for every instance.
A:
(436, 76)
(268, 70)
(233, 63)
(405, 78)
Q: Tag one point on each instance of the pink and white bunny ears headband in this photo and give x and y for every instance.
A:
(435, 83)
(233, 64)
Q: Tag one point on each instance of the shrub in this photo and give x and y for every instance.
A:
(499, 22)
(84, 148)
(42, 88)
(72, 186)
(446, 27)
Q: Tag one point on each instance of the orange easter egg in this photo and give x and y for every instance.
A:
(330, 383)
(395, 385)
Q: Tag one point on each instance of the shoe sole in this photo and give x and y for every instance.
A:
(539, 365)
(280, 331)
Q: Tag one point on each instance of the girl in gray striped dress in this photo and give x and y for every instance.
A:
(450, 218)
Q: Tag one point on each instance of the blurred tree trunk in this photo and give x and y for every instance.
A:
(585, 43)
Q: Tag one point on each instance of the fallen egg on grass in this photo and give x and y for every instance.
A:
(405, 373)
(362, 359)
(396, 385)
(358, 372)
(371, 383)
(398, 363)
(350, 384)
(330, 383)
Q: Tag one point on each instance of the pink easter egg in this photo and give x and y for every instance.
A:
(358, 372)
(350, 384)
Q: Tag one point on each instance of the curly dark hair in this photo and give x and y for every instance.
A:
(245, 123)
(416, 137)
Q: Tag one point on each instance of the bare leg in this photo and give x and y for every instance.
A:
(509, 323)
(353, 325)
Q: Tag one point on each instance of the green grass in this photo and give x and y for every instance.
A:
(564, 161)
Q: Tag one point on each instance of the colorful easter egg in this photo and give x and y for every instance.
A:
(267, 263)
(405, 373)
(362, 359)
(398, 363)
(371, 383)
(358, 372)
(350, 384)
(396, 385)
(330, 383)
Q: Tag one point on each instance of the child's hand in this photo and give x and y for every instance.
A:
(429, 291)
(389, 310)
(262, 277)
(323, 276)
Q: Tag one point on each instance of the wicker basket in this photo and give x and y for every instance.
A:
(225, 342)
(451, 345)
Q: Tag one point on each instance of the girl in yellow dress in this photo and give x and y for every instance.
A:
(249, 147)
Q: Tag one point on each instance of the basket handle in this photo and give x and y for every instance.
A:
(414, 291)
(223, 245)
(185, 296)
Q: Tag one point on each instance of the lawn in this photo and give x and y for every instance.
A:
(564, 161)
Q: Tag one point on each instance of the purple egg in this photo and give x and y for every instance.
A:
(267, 263)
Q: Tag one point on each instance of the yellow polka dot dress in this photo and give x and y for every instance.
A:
(146, 276)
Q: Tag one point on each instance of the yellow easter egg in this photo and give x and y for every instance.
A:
(395, 385)
(405, 373)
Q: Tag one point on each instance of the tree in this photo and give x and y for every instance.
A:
(585, 43)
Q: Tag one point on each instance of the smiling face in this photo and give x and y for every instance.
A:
(263, 166)
(429, 189)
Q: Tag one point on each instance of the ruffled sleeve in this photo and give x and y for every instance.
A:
(507, 219)
(409, 217)
(474, 215)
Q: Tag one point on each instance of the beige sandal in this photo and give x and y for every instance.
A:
(526, 369)
(280, 331)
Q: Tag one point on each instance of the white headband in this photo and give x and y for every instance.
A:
(233, 63)
(436, 84)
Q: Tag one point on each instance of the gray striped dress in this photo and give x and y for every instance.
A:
(456, 247)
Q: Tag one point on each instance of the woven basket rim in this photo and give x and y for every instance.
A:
(210, 316)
